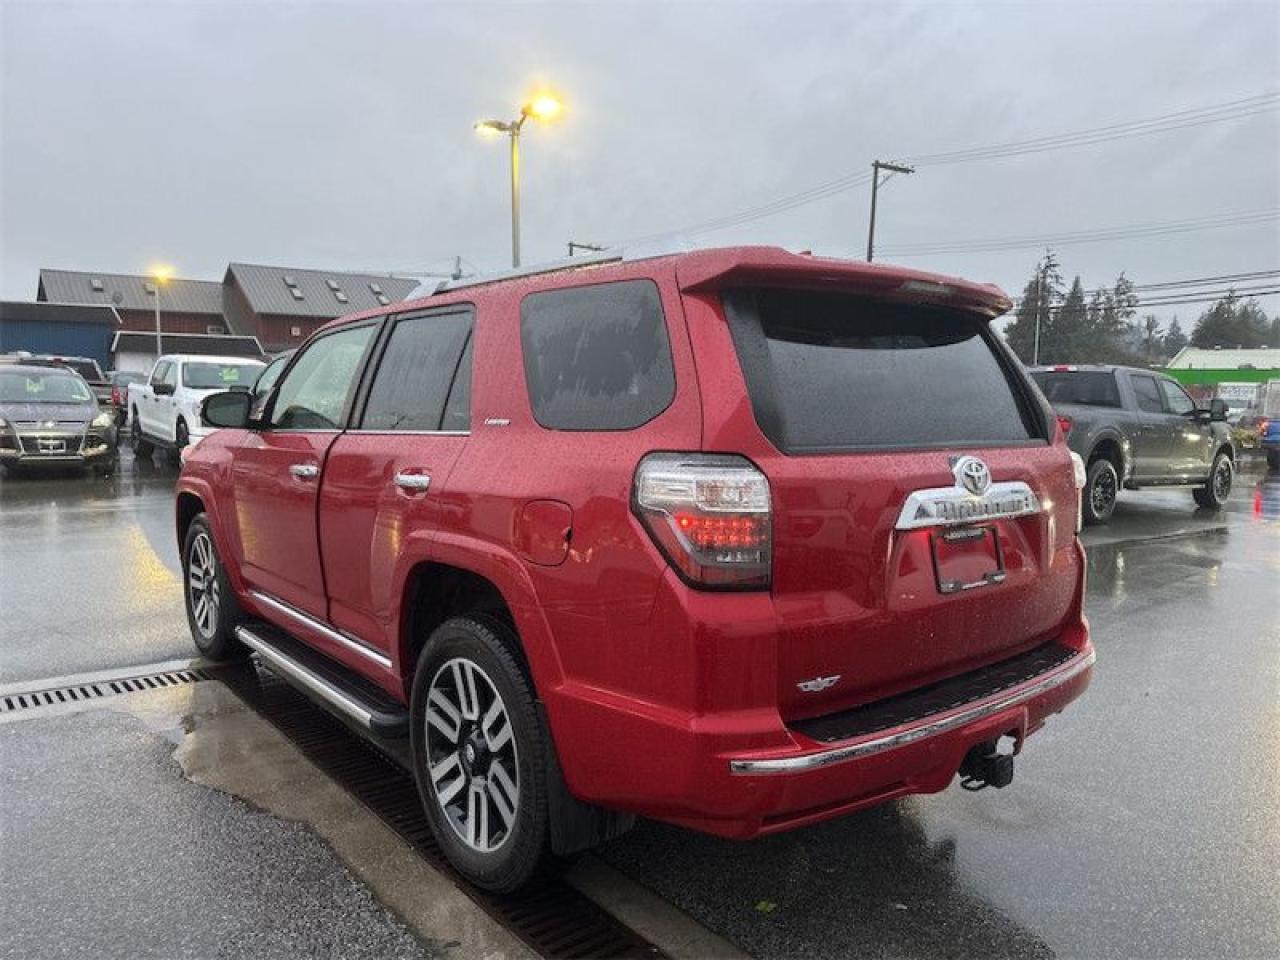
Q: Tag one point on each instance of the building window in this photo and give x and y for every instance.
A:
(295, 331)
(96, 283)
(150, 288)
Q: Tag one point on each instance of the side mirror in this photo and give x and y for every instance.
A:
(228, 409)
(1218, 410)
(162, 389)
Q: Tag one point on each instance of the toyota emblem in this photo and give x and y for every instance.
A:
(972, 474)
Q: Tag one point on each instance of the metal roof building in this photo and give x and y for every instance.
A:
(1253, 358)
(127, 292)
(283, 305)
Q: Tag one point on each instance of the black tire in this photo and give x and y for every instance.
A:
(1213, 495)
(1273, 459)
(181, 437)
(1101, 487)
(213, 626)
(486, 649)
(140, 446)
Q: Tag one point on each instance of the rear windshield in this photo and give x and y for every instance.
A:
(834, 371)
(220, 376)
(1086, 388)
(86, 368)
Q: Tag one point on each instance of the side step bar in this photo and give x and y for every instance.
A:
(320, 678)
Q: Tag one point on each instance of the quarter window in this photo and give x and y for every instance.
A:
(419, 369)
(1176, 398)
(1148, 394)
(315, 392)
(597, 357)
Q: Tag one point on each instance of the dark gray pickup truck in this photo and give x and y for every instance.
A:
(1137, 428)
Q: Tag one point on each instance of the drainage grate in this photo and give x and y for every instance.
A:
(98, 689)
(552, 918)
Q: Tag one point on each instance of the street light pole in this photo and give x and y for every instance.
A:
(159, 341)
(876, 167)
(159, 275)
(515, 191)
(541, 108)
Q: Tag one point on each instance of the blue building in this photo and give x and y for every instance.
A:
(72, 330)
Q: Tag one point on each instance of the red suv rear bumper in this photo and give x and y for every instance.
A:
(702, 772)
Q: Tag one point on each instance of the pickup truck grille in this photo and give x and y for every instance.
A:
(936, 698)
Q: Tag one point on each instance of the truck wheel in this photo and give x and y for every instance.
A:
(212, 609)
(480, 754)
(1213, 495)
(137, 443)
(180, 439)
(1101, 486)
(1273, 459)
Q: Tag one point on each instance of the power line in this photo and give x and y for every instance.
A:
(1158, 229)
(1173, 286)
(1199, 116)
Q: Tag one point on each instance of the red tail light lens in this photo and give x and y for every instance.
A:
(1064, 424)
(710, 515)
(115, 396)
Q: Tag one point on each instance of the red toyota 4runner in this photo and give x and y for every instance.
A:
(736, 539)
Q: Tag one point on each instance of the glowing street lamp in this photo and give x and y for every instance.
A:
(160, 275)
(542, 107)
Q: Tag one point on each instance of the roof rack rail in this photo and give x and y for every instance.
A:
(644, 251)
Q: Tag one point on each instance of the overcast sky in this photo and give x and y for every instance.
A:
(340, 135)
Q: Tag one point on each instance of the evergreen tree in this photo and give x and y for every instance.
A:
(1152, 342)
(1175, 339)
(1041, 295)
(1065, 338)
(1230, 323)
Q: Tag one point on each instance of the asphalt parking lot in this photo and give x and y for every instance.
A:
(1143, 822)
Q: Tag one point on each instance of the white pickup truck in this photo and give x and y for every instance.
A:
(165, 410)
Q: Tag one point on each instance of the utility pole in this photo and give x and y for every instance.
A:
(589, 247)
(876, 167)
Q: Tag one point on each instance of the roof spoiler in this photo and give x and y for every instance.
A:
(712, 269)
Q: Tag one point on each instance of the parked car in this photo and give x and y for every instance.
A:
(1137, 428)
(50, 417)
(1271, 443)
(737, 539)
(120, 380)
(165, 409)
(88, 368)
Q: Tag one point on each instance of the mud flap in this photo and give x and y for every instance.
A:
(575, 825)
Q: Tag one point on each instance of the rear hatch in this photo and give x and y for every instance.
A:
(865, 402)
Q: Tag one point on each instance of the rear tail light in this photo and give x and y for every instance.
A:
(710, 515)
(115, 396)
(1064, 424)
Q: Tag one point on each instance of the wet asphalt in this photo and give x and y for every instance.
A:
(1144, 821)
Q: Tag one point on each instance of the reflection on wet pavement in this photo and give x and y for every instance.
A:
(89, 571)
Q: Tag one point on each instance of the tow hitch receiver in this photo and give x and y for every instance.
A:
(985, 766)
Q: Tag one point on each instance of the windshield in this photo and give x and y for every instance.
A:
(56, 386)
(220, 376)
(86, 368)
(1086, 388)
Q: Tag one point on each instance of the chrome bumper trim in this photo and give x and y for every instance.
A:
(305, 677)
(353, 644)
(919, 731)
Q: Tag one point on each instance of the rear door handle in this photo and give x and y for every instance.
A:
(413, 482)
(305, 471)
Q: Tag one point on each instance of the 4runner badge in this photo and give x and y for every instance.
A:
(818, 684)
(972, 475)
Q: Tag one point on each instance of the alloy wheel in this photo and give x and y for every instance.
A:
(1103, 493)
(471, 755)
(1222, 480)
(203, 590)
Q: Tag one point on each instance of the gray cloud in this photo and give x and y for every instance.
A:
(339, 135)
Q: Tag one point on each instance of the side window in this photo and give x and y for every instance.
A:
(597, 357)
(171, 375)
(158, 374)
(1148, 394)
(315, 393)
(457, 412)
(417, 372)
(270, 374)
(1176, 398)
